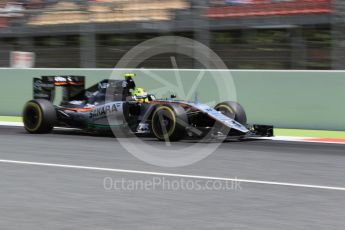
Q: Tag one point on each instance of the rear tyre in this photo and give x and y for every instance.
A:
(233, 110)
(169, 122)
(39, 116)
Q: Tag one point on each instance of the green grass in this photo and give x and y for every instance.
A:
(277, 132)
(10, 119)
(309, 133)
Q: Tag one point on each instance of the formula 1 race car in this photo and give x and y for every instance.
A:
(120, 105)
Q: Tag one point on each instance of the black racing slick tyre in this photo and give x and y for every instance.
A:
(233, 110)
(39, 116)
(169, 122)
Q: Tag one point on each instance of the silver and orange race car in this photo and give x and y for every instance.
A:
(119, 106)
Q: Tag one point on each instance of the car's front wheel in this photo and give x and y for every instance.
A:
(169, 122)
(233, 110)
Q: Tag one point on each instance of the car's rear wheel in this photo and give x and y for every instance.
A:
(39, 116)
(169, 122)
(233, 110)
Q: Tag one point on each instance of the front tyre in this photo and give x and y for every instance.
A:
(233, 110)
(39, 116)
(169, 122)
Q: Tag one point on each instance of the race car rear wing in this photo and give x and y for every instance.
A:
(73, 86)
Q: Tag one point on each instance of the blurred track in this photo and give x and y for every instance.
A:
(43, 197)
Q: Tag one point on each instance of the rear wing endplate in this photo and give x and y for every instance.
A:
(73, 86)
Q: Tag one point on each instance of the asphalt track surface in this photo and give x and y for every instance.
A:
(53, 197)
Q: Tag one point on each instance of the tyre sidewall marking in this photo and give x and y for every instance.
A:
(171, 131)
(231, 110)
(40, 116)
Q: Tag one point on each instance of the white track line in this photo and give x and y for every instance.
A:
(301, 139)
(11, 123)
(20, 124)
(173, 175)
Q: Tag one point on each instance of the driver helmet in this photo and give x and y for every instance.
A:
(139, 93)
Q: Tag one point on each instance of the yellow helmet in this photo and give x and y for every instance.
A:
(129, 75)
(139, 93)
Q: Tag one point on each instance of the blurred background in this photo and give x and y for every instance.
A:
(246, 34)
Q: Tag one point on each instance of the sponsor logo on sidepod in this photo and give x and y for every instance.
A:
(104, 110)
